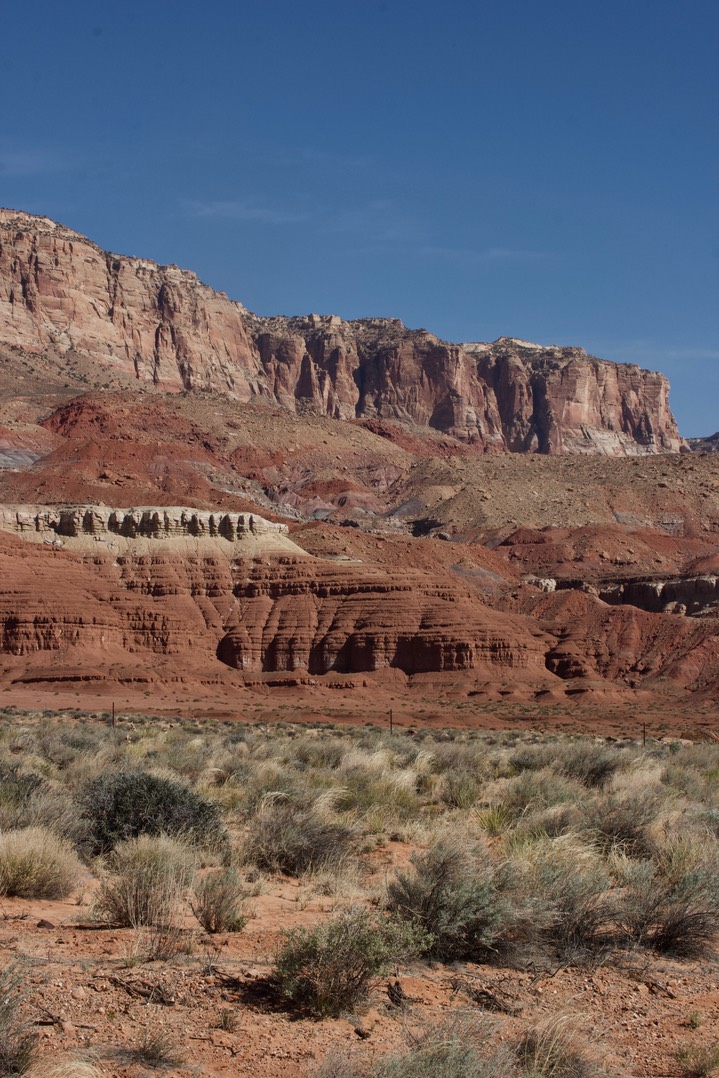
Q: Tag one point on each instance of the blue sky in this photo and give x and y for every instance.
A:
(541, 170)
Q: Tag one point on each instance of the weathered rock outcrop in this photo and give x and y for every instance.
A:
(152, 611)
(705, 445)
(561, 400)
(629, 646)
(221, 608)
(60, 292)
(690, 595)
(321, 618)
(62, 524)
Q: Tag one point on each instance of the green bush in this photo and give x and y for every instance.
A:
(283, 838)
(456, 899)
(126, 804)
(331, 968)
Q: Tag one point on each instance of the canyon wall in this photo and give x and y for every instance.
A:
(60, 293)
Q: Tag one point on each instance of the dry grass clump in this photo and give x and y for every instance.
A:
(463, 1047)
(592, 764)
(17, 1040)
(27, 799)
(574, 896)
(217, 901)
(534, 791)
(156, 1049)
(453, 1050)
(699, 1061)
(147, 879)
(35, 863)
(624, 821)
(283, 838)
(677, 917)
(380, 802)
(553, 1050)
(460, 789)
(65, 1066)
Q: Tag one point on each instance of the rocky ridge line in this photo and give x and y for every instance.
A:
(59, 292)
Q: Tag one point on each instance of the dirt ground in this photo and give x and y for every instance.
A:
(87, 992)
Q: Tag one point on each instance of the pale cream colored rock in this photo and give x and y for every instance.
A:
(144, 527)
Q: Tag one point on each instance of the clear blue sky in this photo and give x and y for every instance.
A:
(546, 170)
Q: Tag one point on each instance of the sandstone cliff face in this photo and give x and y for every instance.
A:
(159, 324)
(59, 291)
(561, 400)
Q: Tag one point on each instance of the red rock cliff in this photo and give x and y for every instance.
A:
(60, 292)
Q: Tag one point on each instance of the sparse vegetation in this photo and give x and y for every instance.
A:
(699, 1061)
(284, 839)
(509, 850)
(217, 901)
(156, 1049)
(146, 880)
(553, 1050)
(456, 899)
(65, 1066)
(465, 1047)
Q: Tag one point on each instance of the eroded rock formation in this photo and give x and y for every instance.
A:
(262, 612)
(160, 606)
(99, 522)
(60, 293)
(323, 618)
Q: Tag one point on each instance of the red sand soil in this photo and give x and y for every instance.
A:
(84, 992)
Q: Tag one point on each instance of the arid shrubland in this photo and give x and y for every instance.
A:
(521, 845)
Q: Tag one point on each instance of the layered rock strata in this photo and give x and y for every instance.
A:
(323, 618)
(219, 609)
(60, 293)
